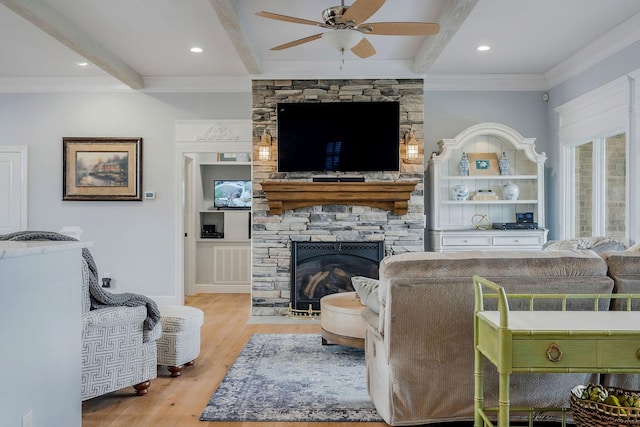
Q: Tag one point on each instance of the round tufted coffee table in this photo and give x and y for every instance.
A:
(340, 320)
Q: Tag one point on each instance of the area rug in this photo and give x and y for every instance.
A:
(293, 378)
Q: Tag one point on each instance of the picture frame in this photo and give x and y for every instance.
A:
(227, 157)
(102, 169)
(481, 164)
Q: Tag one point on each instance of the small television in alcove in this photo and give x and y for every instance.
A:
(232, 194)
(338, 136)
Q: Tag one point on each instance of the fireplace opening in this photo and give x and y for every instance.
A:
(324, 268)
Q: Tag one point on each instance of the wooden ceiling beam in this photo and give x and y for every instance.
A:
(451, 18)
(43, 16)
(229, 18)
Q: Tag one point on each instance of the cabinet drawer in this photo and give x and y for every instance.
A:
(524, 240)
(466, 240)
(576, 353)
(620, 353)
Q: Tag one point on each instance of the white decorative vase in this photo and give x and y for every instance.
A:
(504, 164)
(510, 191)
(459, 192)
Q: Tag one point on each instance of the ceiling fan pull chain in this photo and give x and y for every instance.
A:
(341, 58)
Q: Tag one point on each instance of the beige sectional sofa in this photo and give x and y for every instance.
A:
(419, 345)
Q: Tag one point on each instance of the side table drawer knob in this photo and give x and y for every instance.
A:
(554, 354)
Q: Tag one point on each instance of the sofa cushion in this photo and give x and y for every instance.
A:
(367, 289)
(414, 265)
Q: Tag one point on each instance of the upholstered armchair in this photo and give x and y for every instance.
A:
(117, 351)
(119, 331)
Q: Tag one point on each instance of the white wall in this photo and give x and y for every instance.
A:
(617, 65)
(447, 113)
(134, 241)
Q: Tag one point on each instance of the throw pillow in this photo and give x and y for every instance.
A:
(634, 248)
(596, 244)
(367, 289)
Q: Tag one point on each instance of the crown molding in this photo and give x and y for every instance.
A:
(61, 84)
(612, 42)
(485, 82)
(229, 84)
(198, 84)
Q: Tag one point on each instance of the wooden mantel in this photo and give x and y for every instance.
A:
(286, 195)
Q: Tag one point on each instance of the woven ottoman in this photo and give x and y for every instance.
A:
(179, 344)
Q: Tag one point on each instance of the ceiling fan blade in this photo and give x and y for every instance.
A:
(363, 49)
(297, 42)
(361, 10)
(288, 18)
(401, 28)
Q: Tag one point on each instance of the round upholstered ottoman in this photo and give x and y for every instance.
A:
(179, 344)
(340, 319)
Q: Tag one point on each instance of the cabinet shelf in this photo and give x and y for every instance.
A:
(489, 202)
(217, 163)
(214, 210)
(488, 177)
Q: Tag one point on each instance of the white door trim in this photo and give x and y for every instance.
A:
(17, 198)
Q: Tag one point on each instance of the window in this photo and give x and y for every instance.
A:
(597, 133)
(600, 183)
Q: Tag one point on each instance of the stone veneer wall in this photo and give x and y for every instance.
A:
(272, 234)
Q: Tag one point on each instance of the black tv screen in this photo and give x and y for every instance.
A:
(338, 137)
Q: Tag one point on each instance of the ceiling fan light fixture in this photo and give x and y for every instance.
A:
(342, 39)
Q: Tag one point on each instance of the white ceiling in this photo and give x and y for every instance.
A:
(144, 44)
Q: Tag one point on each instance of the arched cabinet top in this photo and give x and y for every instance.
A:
(484, 130)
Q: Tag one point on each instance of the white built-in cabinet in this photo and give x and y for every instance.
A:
(462, 225)
(221, 151)
(223, 261)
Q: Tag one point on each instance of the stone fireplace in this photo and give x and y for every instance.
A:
(324, 268)
(280, 227)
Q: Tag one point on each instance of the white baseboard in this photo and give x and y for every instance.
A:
(203, 289)
(222, 289)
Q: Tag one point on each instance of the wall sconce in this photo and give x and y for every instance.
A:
(264, 148)
(412, 146)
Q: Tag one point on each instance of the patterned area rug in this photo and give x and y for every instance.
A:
(293, 378)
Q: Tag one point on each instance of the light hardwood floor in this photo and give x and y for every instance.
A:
(179, 401)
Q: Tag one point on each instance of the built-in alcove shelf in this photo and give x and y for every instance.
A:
(286, 195)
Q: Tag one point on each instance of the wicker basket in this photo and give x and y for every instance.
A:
(587, 413)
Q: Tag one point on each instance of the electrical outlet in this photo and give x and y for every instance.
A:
(27, 419)
(106, 280)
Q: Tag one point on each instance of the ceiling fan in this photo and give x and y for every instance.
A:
(348, 27)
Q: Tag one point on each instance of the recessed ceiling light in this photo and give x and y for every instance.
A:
(196, 49)
(483, 48)
(82, 64)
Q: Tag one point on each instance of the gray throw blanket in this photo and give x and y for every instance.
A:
(99, 297)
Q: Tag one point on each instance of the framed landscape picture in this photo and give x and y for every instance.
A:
(483, 164)
(106, 169)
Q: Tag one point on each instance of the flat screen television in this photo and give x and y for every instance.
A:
(338, 136)
(232, 194)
